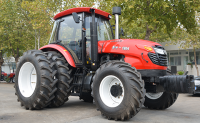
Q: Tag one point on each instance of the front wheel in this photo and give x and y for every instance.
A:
(160, 100)
(118, 90)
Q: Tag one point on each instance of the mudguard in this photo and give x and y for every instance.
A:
(62, 50)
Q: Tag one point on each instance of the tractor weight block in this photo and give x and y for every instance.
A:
(178, 83)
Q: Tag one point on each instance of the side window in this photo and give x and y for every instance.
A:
(103, 28)
(69, 33)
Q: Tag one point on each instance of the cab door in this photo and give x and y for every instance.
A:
(70, 34)
(104, 32)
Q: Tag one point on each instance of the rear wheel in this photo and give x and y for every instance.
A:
(160, 100)
(118, 90)
(64, 76)
(33, 80)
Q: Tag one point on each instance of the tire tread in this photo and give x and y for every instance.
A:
(137, 86)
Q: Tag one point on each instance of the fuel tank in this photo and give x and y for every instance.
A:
(139, 53)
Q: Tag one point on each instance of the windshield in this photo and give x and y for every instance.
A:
(103, 28)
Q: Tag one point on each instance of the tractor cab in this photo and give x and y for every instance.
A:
(71, 34)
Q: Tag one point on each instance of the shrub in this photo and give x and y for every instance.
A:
(180, 72)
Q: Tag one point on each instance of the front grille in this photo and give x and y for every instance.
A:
(158, 59)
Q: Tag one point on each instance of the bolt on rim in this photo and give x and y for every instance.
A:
(111, 91)
(27, 79)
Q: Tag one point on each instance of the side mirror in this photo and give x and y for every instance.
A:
(76, 17)
(122, 32)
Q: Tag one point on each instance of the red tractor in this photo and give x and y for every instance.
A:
(3, 75)
(83, 59)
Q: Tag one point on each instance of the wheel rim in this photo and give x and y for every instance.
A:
(27, 79)
(154, 95)
(111, 91)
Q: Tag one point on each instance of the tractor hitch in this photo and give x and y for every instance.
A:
(178, 83)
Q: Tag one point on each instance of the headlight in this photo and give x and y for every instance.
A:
(160, 51)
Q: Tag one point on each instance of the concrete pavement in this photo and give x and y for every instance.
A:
(185, 110)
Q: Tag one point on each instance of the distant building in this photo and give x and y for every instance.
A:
(181, 57)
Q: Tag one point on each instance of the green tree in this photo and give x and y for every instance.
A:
(187, 39)
(14, 32)
(154, 19)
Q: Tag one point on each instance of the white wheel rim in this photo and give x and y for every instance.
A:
(105, 93)
(27, 79)
(154, 95)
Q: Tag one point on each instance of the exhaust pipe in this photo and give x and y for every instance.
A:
(94, 42)
(116, 11)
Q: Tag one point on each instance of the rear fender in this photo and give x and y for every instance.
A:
(60, 49)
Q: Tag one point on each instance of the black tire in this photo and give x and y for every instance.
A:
(86, 97)
(2, 78)
(134, 91)
(65, 78)
(166, 100)
(163, 102)
(43, 90)
(13, 79)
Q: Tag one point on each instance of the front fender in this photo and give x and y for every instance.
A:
(60, 49)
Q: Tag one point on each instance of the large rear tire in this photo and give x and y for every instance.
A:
(34, 79)
(64, 76)
(160, 100)
(118, 90)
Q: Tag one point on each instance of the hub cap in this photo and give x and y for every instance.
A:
(154, 95)
(27, 79)
(111, 91)
(116, 90)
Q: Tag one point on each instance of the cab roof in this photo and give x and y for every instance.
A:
(81, 9)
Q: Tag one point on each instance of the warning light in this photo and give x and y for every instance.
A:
(148, 48)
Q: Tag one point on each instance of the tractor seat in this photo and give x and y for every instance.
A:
(73, 43)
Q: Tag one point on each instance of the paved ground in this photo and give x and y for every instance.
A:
(185, 110)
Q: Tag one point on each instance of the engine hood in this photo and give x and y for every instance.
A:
(123, 45)
(135, 52)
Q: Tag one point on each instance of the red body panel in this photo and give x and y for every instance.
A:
(62, 50)
(11, 75)
(81, 9)
(133, 55)
(3, 73)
